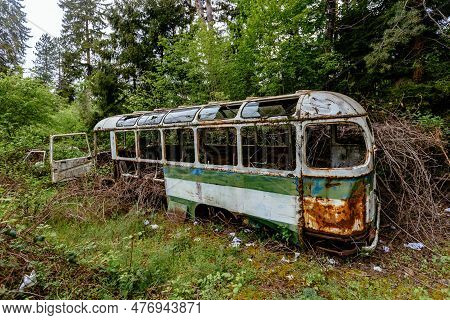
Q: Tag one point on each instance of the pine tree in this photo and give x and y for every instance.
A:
(47, 57)
(13, 34)
(83, 29)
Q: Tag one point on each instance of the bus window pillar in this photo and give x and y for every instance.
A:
(239, 147)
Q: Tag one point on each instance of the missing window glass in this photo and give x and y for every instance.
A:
(267, 109)
(126, 144)
(150, 145)
(335, 145)
(270, 147)
(180, 145)
(218, 146)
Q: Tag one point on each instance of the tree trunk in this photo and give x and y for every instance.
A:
(331, 21)
(199, 7)
(209, 12)
(88, 50)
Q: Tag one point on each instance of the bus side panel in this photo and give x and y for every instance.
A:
(337, 206)
(271, 198)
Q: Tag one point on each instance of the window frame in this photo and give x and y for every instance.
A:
(296, 145)
(116, 146)
(163, 141)
(197, 149)
(361, 169)
(241, 114)
(160, 145)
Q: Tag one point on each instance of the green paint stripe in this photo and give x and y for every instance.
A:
(281, 185)
(334, 188)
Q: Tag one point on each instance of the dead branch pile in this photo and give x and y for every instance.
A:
(412, 178)
(100, 197)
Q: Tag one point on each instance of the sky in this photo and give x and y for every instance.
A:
(43, 16)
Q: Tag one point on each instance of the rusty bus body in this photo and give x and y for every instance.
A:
(302, 162)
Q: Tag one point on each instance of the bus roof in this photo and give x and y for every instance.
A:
(310, 105)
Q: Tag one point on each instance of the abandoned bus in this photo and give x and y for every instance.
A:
(302, 162)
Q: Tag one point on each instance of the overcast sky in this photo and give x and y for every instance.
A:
(44, 16)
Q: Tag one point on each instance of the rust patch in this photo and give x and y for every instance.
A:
(341, 217)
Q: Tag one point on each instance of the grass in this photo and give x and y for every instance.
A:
(123, 257)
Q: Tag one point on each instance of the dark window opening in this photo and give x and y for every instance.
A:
(103, 147)
(218, 112)
(270, 147)
(335, 145)
(150, 145)
(218, 146)
(179, 116)
(179, 145)
(126, 144)
(267, 109)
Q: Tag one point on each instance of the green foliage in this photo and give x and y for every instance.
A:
(25, 102)
(30, 113)
(47, 57)
(14, 34)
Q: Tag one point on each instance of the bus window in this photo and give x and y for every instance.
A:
(126, 144)
(335, 145)
(150, 145)
(218, 146)
(182, 115)
(270, 147)
(218, 112)
(179, 145)
(266, 109)
(151, 119)
(127, 121)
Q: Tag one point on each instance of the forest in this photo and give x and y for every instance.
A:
(117, 57)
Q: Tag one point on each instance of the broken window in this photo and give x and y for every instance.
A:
(150, 145)
(182, 115)
(266, 109)
(218, 146)
(70, 147)
(270, 147)
(218, 112)
(127, 121)
(126, 144)
(335, 145)
(179, 145)
(151, 119)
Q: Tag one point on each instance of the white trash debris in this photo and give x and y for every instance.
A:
(154, 226)
(332, 261)
(447, 210)
(386, 249)
(296, 255)
(250, 244)
(195, 223)
(247, 230)
(285, 260)
(415, 245)
(216, 230)
(250, 259)
(146, 222)
(28, 281)
(232, 234)
(236, 242)
(377, 269)
(290, 277)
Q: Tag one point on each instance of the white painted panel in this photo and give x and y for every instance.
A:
(266, 205)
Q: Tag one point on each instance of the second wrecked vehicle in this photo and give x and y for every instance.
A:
(302, 162)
